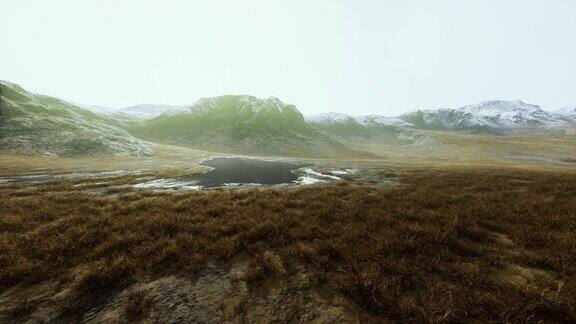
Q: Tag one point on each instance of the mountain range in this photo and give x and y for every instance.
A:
(37, 124)
(495, 116)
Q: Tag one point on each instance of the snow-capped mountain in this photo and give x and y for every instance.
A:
(148, 111)
(494, 116)
(489, 116)
(512, 114)
(568, 112)
(368, 120)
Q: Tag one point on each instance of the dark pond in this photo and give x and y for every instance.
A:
(239, 171)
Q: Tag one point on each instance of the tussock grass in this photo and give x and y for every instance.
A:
(138, 305)
(264, 266)
(446, 245)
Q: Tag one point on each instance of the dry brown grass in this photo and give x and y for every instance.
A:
(264, 266)
(139, 303)
(447, 245)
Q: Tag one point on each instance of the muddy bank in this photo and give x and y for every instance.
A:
(222, 292)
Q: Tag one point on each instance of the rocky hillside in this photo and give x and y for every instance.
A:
(240, 124)
(36, 124)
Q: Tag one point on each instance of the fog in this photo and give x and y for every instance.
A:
(359, 57)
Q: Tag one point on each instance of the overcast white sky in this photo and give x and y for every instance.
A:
(358, 57)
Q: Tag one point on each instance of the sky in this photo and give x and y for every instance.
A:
(356, 57)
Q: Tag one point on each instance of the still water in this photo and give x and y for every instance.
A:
(243, 171)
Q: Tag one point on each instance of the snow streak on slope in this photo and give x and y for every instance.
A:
(568, 113)
(493, 114)
(330, 117)
(489, 116)
(369, 120)
(148, 111)
(510, 114)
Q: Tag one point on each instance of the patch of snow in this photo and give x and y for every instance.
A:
(149, 111)
(191, 188)
(510, 114)
(382, 120)
(369, 120)
(167, 184)
(343, 171)
(305, 180)
(568, 112)
(236, 184)
(318, 174)
(90, 184)
(330, 117)
(101, 110)
(7, 180)
(492, 114)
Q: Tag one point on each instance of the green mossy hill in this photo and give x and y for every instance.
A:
(36, 124)
(242, 124)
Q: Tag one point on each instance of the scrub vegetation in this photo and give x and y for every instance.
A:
(446, 245)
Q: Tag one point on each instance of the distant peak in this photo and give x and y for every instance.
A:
(500, 105)
(274, 99)
(568, 111)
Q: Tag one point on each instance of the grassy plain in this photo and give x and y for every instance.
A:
(446, 245)
(468, 234)
(452, 149)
